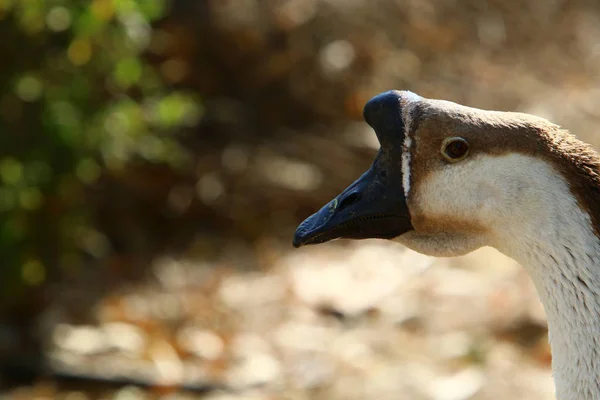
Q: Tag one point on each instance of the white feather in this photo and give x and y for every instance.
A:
(528, 212)
(407, 145)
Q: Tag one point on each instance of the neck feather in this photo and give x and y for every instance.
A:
(561, 252)
(566, 277)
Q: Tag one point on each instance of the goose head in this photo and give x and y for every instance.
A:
(449, 179)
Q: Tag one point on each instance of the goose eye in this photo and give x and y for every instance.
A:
(455, 149)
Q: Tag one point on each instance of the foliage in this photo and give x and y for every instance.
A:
(77, 98)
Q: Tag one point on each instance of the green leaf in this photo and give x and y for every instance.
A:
(29, 88)
(88, 25)
(33, 272)
(176, 109)
(88, 171)
(11, 171)
(152, 10)
(128, 72)
(30, 199)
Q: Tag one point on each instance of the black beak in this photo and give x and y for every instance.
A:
(374, 206)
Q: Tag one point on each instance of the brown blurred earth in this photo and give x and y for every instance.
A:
(201, 294)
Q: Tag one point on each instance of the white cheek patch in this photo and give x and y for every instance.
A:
(406, 165)
(407, 146)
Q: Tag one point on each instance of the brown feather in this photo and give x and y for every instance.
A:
(494, 132)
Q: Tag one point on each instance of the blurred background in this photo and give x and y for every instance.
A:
(156, 157)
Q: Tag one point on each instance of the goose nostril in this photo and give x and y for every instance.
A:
(348, 201)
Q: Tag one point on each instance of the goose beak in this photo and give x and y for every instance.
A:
(374, 206)
(369, 208)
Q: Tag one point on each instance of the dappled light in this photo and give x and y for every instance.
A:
(156, 157)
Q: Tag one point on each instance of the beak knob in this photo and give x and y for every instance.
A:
(384, 114)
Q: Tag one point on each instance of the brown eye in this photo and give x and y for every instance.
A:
(455, 149)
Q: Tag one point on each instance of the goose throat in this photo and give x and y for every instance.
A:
(559, 248)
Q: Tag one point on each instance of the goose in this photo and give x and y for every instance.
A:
(449, 179)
